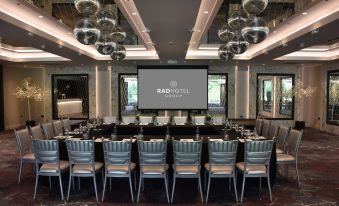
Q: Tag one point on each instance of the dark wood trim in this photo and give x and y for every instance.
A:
(2, 114)
(329, 73)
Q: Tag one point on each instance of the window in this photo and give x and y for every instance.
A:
(268, 89)
(333, 97)
(286, 101)
(217, 93)
(128, 95)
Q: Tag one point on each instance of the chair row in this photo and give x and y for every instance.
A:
(287, 143)
(50, 130)
(152, 160)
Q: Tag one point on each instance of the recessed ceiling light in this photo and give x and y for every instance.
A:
(199, 31)
(134, 13)
(60, 46)
(41, 16)
(149, 42)
(284, 44)
(205, 12)
(275, 31)
(304, 13)
(194, 42)
(43, 46)
(30, 34)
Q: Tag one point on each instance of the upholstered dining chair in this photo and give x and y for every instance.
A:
(152, 160)
(128, 119)
(292, 152)
(66, 124)
(144, 120)
(187, 156)
(180, 120)
(162, 120)
(273, 131)
(118, 162)
(257, 156)
(36, 132)
(199, 119)
(47, 154)
(217, 119)
(222, 158)
(265, 128)
(109, 119)
(24, 144)
(57, 126)
(82, 162)
(47, 128)
(258, 126)
(281, 139)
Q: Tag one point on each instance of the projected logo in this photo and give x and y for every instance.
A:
(173, 92)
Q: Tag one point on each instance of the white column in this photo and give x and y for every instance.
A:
(103, 91)
(241, 92)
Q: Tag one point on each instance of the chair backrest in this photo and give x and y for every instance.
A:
(66, 124)
(258, 126)
(23, 141)
(293, 141)
(187, 153)
(222, 152)
(47, 128)
(217, 120)
(273, 131)
(46, 151)
(162, 119)
(258, 152)
(57, 126)
(36, 132)
(110, 119)
(128, 119)
(282, 136)
(145, 119)
(265, 128)
(117, 152)
(199, 119)
(180, 119)
(152, 153)
(80, 152)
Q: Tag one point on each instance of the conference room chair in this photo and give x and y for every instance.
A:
(217, 119)
(66, 124)
(180, 120)
(47, 155)
(187, 156)
(265, 128)
(109, 119)
(152, 160)
(82, 162)
(199, 119)
(280, 140)
(128, 119)
(222, 159)
(273, 131)
(257, 156)
(162, 120)
(145, 120)
(24, 144)
(292, 151)
(36, 132)
(57, 126)
(47, 129)
(118, 162)
(258, 126)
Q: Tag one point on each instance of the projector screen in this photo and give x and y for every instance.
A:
(172, 88)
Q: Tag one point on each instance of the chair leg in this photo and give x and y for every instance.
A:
(61, 190)
(259, 184)
(201, 195)
(229, 184)
(143, 185)
(269, 186)
(208, 188)
(103, 189)
(36, 184)
(243, 187)
(69, 184)
(20, 170)
(110, 183)
(166, 186)
(73, 182)
(173, 187)
(95, 187)
(286, 170)
(205, 180)
(297, 172)
(140, 179)
(235, 188)
(50, 182)
(79, 183)
(135, 180)
(131, 187)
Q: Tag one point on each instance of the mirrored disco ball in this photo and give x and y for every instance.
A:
(254, 6)
(118, 34)
(105, 45)
(87, 7)
(86, 32)
(237, 45)
(237, 20)
(225, 34)
(224, 53)
(105, 20)
(255, 30)
(119, 53)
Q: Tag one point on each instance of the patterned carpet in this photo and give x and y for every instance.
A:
(319, 168)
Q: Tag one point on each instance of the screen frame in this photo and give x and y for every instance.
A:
(174, 67)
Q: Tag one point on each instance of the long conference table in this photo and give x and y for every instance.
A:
(177, 132)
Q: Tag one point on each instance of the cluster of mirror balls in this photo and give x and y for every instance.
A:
(242, 28)
(99, 27)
